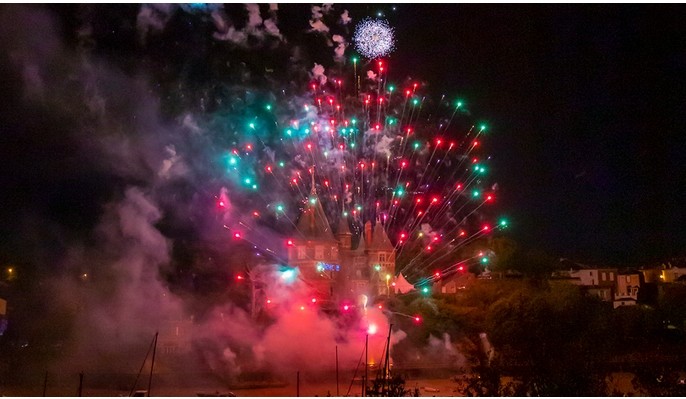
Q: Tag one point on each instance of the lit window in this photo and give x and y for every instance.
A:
(302, 252)
(319, 252)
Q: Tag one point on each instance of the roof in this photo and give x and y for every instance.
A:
(402, 285)
(313, 223)
(380, 241)
(343, 228)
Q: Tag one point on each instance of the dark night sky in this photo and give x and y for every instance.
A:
(583, 103)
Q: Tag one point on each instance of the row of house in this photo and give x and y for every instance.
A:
(610, 284)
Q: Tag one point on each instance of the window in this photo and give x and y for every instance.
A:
(612, 276)
(628, 279)
(319, 252)
(603, 276)
(382, 257)
(302, 252)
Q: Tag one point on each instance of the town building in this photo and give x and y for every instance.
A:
(340, 265)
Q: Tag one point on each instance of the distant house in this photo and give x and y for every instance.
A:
(672, 274)
(672, 271)
(597, 281)
(455, 283)
(628, 285)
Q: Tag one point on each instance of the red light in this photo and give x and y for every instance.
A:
(237, 235)
(407, 93)
(475, 160)
(434, 200)
(402, 164)
(269, 301)
(326, 183)
(330, 101)
(486, 228)
(419, 200)
(269, 169)
(314, 86)
(437, 274)
(380, 307)
(428, 248)
(461, 268)
(435, 238)
(417, 319)
(314, 300)
(403, 235)
(289, 243)
(332, 121)
(438, 142)
(346, 307)
(476, 143)
(459, 186)
(249, 147)
(239, 277)
(309, 146)
(222, 204)
(256, 214)
(462, 233)
(377, 126)
(489, 198)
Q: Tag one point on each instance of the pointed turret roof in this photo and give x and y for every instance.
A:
(380, 241)
(361, 245)
(313, 223)
(343, 228)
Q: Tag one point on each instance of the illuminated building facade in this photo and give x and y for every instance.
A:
(331, 266)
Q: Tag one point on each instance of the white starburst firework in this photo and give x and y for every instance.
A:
(374, 38)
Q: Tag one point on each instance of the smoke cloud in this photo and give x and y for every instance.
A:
(169, 181)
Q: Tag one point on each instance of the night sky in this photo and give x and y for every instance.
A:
(583, 103)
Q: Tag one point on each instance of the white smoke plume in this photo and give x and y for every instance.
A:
(318, 74)
(153, 18)
(345, 18)
(256, 27)
(316, 22)
(339, 51)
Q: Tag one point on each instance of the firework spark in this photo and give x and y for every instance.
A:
(374, 38)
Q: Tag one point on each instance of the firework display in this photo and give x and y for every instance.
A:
(388, 155)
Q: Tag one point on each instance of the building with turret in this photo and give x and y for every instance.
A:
(341, 266)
